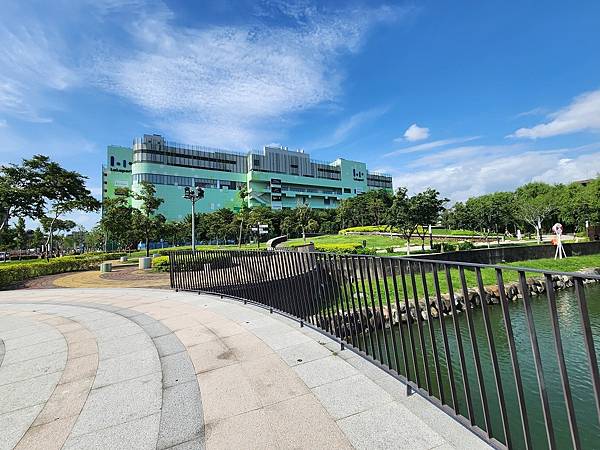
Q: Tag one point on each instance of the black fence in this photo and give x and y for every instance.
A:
(484, 343)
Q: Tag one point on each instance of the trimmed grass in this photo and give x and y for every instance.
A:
(434, 231)
(571, 264)
(373, 241)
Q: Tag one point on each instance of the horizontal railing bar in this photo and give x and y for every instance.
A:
(454, 264)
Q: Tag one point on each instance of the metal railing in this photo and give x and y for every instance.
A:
(484, 343)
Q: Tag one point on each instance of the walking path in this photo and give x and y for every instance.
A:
(155, 369)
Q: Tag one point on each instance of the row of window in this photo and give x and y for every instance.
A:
(229, 163)
(173, 180)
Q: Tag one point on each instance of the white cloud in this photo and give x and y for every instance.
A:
(467, 171)
(583, 114)
(345, 128)
(236, 79)
(31, 61)
(3, 123)
(416, 133)
(431, 145)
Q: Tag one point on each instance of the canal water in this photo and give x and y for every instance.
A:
(575, 356)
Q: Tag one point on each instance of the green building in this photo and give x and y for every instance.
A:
(276, 177)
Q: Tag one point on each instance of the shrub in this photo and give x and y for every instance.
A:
(11, 274)
(355, 249)
(161, 263)
(466, 245)
(447, 246)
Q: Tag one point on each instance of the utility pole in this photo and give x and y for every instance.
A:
(193, 195)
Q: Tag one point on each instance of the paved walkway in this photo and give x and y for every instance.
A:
(155, 369)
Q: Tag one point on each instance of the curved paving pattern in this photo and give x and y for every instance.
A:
(141, 368)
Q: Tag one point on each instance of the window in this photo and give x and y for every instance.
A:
(112, 160)
(326, 201)
(124, 163)
(347, 191)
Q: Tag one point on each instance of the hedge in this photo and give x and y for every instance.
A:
(11, 274)
(160, 263)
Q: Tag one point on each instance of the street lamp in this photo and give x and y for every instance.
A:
(193, 195)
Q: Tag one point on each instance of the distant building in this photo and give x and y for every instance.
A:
(276, 177)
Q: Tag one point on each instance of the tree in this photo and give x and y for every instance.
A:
(64, 191)
(116, 222)
(427, 206)
(23, 191)
(534, 203)
(145, 219)
(402, 216)
(37, 239)
(303, 216)
(20, 235)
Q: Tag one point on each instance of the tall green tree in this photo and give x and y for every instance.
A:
(145, 219)
(535, 202)
(427, 206)
(20, 236)
(403, 216)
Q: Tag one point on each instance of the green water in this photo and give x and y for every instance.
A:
(575, 357)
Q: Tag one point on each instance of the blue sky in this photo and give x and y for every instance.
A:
(467, 97)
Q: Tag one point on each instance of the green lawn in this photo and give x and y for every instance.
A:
(434, 231)
(571, 264)
(373, 241)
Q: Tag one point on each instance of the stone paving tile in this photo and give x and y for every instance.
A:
(128, 366)
(80, 368)
(112, 348)
(51, 435)
(26, 393)
(14, 424)
(352, 395)
(279, 341)
(32, 368)
(302, 353)
(226, 392)
(324, 370)
(211, 355)
(182, 417)
(366, 367)
(195, 335)
(139, 434)
(247, 347)
(179, 322)
(83, 348)
(177, 368)
(119, 403)
(168, 344)
(392, 422)
(26, 353)
(301, 422)
(196, 444)
(67, 400)
(272, 380)
(224, 328)
(31, 339)
(250, 430)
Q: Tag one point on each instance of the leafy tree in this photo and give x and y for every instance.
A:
(116, 222)
(94, 239)
(23, 191)
(37, 238)
(534, 204)
(427, 206)
(403, 216)
(303, 217)
(145, 220)
(20, 235)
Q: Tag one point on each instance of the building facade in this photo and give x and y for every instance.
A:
(276, 177)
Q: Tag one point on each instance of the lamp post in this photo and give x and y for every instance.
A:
(193, 195)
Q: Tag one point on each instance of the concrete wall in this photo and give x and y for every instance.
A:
(511, 254)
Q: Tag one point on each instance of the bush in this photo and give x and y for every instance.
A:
(447, 246)
(11, 274)
(355, 249)
(161, 263)
(365, 229)
(466, 245)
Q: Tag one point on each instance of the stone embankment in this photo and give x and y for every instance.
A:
(360, 319)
